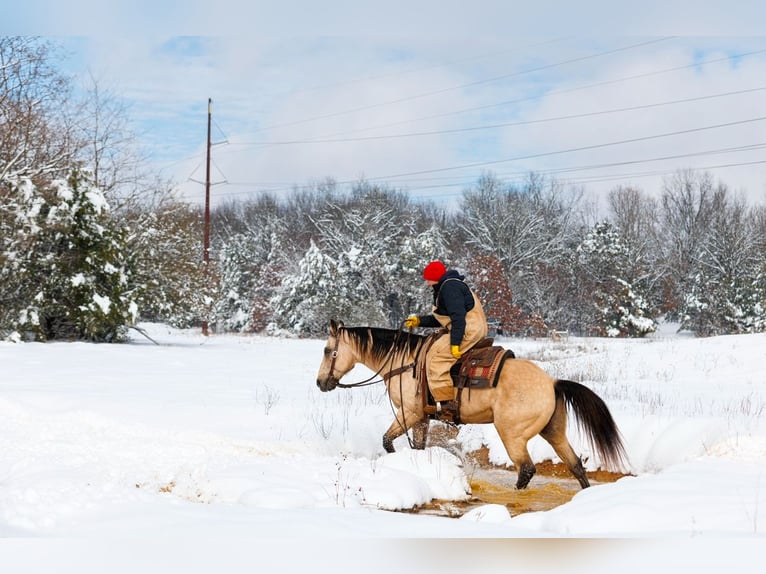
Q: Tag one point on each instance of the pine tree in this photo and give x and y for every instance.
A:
(69, 262)
(248, 265)
(619, 308)
(403, 272)
(307, 300)
(170, 280)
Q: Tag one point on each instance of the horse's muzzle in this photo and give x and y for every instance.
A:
(328, 384)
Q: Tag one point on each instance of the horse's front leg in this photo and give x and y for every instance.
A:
(403, 422)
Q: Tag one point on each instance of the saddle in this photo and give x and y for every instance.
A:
(479, 367)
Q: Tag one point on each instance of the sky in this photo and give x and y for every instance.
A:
(220, 453)
(431, 99)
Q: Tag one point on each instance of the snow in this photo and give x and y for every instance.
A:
(220, 453)
(103, 303)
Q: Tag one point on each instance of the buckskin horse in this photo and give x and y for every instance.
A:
(525, 402)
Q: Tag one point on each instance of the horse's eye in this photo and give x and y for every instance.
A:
(327, 351)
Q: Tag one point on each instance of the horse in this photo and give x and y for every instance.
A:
(525, 402)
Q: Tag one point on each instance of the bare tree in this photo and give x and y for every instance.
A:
(111, 149)
(526, 228)
(687, 207)
(36, 135)
(634, 215)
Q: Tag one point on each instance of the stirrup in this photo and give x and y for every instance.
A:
(446, 411)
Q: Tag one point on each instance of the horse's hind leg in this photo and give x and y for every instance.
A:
(517, 451)
(555, 433)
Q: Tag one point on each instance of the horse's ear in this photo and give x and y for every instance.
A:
(335, 326)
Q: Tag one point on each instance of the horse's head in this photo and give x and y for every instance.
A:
(338, 359)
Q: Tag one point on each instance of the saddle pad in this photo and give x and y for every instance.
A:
(480, 368)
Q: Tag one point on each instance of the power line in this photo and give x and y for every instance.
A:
(558, 118)
(505, 124)
(397, 73)
(274, 187)
(600, 179)
(462, 86)
(557, 92)
(551, 171)
(571, 150)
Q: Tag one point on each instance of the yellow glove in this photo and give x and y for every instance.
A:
(456, 351)
(412, 321)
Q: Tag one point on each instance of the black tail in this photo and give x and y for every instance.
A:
(595, 421)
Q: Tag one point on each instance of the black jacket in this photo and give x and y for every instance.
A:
(452, 298)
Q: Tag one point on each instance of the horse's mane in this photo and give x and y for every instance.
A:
(378, 342)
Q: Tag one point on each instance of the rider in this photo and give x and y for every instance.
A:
(459, 310)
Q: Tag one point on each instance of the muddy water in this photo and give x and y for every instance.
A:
(496, 486)
(552, 486)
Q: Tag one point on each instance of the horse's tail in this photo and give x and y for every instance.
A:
(595, 422)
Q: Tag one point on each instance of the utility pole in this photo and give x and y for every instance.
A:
(206, 248)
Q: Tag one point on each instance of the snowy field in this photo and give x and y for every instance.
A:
(220, 454)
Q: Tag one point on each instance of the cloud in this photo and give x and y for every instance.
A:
(411, 107)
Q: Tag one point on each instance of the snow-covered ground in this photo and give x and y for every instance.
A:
(212, 454)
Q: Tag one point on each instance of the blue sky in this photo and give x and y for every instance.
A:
(430, 103)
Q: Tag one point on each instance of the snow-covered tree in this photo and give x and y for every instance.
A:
(619, 308)
(373, 244)
(403, 269)
(308, 299)
(170, 280)
(67, 259)
(728, 293)
(687, 206)
(527, 228)
(37, 138)
(232, 309)
(248, 266)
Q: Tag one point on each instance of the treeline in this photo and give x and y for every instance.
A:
(90, 243)
(539, 260)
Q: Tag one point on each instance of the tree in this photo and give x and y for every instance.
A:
(618, 307)
(37, 138)
(308, 299)
(170, 280)
(687, 207)
(527, 229)
(373, 242)
(68, 259)
(491, 285)
(110, 147)
(727, 295)
(404, 268)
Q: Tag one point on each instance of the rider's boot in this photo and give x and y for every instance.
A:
(446, 411)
